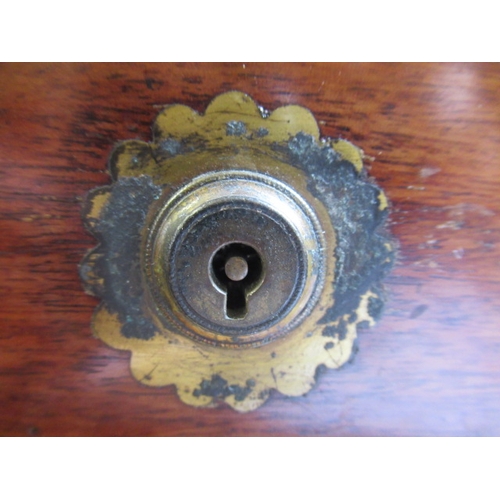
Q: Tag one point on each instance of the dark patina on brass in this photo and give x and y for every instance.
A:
(237, 252)
(230, 214)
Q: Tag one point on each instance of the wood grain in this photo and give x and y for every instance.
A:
(430, 367)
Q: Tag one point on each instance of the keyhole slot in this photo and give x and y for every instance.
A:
(237, 271)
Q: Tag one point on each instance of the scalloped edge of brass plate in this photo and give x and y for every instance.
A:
(286, 144)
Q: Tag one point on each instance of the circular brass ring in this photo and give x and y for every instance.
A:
(298, 232)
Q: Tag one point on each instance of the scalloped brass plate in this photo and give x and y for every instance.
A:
(239, 173)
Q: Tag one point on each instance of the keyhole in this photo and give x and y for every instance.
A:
(237, 271)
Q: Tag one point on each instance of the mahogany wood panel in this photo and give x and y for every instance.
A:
(432, 364)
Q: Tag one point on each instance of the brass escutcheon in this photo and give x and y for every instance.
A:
(237, 252)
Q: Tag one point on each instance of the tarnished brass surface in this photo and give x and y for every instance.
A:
(237, 253)
(223, 209)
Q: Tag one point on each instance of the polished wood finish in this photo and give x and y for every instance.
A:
(432, 132)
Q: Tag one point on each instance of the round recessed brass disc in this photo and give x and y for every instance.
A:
(217, 211)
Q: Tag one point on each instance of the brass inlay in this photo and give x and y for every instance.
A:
(175, 313)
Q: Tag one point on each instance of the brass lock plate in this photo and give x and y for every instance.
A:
(237, 252)
(216, 221)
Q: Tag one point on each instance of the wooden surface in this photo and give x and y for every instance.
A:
(432, 364)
